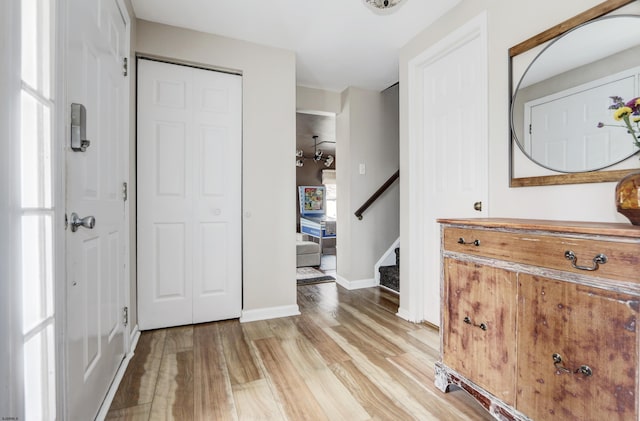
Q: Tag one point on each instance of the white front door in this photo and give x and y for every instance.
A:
(189, 195)
(453, 143)
(96, 261)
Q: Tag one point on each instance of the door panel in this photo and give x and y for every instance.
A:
(95, 257)
(455, 145)
(189, 185)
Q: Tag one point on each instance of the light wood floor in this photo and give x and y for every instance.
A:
(347, 357)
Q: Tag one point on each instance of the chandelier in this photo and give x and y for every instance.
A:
(383, 6)
(317, 154)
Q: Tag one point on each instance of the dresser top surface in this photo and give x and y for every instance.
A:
(575, 227)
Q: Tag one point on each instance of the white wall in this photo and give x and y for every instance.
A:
(269, 194)
(367, 133)
(552, 202)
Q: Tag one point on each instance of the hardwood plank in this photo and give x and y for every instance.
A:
(430, 337)
(334, 398)
(365, 337)
(414, 365)
(256, 401)
(238, 358)
(256, 330)
(325, 346)
(173, 399)
(213, 396)
(347, 356)
(178, 339)
(139, 382)
(392, 332)
(376, 402)
(297, 400)
(369, 363)
(132, 413)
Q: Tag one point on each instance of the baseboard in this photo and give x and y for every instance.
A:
(269, 313)
(358, 284)
(111, 393)
(404, 314)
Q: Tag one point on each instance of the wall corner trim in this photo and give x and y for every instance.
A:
(269, 313)
(357, 284)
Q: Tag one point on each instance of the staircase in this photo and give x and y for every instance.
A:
(390, 275)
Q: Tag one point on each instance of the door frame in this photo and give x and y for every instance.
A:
(61, 130)
(412, 294)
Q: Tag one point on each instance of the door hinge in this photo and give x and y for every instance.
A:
(530, 129)
(125, 315)
(125, 191)
(125, 66)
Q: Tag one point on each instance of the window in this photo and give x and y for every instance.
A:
(37, 209)
(329, 181)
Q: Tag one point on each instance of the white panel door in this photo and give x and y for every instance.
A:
(568, 121)
(455, 145)
(189, 195)
(96, 261)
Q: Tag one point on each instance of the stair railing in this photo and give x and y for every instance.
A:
(376, 195)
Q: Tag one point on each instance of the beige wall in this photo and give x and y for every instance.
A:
(367, 132)
(313, 100)
(269, 107)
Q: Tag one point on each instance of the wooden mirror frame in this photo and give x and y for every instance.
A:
(551, 33)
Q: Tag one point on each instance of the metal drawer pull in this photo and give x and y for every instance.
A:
(468, 321)
(474, 242)
(600, 259)
(583, 369)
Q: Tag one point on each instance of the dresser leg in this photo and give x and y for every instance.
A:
(442, 379)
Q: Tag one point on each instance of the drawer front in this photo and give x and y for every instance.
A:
(623, 259)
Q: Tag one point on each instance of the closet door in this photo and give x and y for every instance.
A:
(189, 195)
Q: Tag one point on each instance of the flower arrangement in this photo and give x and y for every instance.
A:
(629, 114)
(628, 189)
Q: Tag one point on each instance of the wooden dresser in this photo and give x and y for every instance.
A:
(539, 318)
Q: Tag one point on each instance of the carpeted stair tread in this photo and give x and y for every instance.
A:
(390, 277)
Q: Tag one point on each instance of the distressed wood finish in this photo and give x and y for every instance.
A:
(588, 317)
(549, 251)
(586, 326)
(348, 356)
(482, 295)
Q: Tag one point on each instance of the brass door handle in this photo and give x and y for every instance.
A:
(478, 206)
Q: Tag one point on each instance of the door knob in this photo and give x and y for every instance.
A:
(478, 206)
(87, 222)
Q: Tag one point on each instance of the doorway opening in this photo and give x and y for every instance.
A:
(316, 166)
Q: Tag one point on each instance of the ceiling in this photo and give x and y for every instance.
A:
(338, 43)
(309, 125)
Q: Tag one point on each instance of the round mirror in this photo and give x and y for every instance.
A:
(560, 111)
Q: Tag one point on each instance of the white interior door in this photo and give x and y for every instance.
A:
(455, 150)
(96, 262)
(563, 128)
(189, 195)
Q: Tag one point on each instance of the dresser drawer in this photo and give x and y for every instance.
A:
(623, 259)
